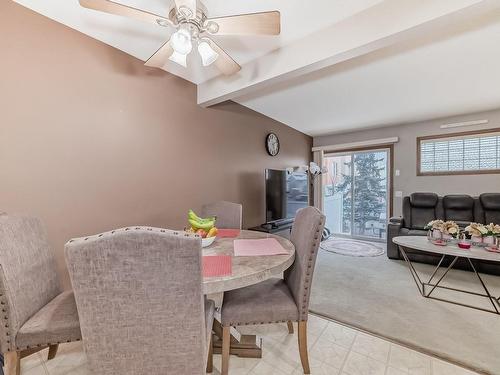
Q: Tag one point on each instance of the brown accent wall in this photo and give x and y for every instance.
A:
(91, 140)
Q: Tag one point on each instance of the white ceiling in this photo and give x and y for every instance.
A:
(141, 40)
(436, 70)
(454, 73)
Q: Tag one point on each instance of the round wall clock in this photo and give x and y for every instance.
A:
(272, 144)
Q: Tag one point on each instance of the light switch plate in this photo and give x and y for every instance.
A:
(399, 194)
(396, 172)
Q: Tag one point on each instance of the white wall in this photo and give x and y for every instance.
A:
(405, 156)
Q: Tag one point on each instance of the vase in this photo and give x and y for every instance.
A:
(433, 234)
(437, 234)
(482, 241)
(476, 240)
(447, 237)
(489, 240)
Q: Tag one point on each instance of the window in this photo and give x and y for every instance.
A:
(460, 153)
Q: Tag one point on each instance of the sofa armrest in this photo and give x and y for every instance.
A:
(396, 220)
(393, 229)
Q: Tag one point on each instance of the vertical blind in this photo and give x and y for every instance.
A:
(468, 153)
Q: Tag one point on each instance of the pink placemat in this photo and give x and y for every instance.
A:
(228, 233)
(258, 247)
(217, 265)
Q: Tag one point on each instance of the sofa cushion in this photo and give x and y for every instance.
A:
(424, 200)
(420, 209)
(459, 208)
(490, 203)
(55, 322)
(421, 216)
(412, 232)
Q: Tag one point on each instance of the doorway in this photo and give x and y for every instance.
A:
(357, 193)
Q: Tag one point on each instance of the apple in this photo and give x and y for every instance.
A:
(201, 233)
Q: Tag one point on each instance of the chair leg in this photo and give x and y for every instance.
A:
(210, 359)
(12, 363)
(290, 327)
(226, 344)
(304, 357)
(52, 351)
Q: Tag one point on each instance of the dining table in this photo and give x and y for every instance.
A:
(245, 271)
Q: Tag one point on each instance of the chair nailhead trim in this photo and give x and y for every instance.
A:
(149, 229)
(48, 344)
(310, 265)
(234, 324)
(5, 311)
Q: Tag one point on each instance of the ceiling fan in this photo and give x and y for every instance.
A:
(192, 26)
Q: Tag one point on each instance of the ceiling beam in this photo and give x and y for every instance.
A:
(387, 23)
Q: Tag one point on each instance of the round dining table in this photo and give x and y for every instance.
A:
(246, 270)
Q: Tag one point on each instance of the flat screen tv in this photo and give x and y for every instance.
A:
(286, 192)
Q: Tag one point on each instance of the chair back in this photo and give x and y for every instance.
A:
(139, 297)
(306, 236)
(28, 274)
(229, 215)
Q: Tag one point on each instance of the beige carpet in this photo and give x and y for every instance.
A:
(378, 295)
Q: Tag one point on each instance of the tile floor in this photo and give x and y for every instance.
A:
(333, 350)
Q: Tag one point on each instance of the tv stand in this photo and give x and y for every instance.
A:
(279, 229)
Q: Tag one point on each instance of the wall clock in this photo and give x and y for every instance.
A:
(272, 144)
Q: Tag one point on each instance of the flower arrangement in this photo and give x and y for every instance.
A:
(434, 224)
(449, 228)
(493, 229)
(483, 235)
(477, 230)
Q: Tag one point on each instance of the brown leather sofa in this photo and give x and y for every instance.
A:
(420, 208)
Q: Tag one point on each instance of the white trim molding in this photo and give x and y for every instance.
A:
(353, 145)
(318, 182)
(466, 123)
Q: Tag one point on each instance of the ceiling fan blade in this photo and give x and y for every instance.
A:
(111, 7)
(160, 57)
(265, 23)
(224, 62)
(189, 4)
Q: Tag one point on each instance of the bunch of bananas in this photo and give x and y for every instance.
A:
(205, 227)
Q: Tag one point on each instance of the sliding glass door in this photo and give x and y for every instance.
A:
(356, 193)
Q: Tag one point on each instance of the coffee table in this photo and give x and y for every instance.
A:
(426, 289)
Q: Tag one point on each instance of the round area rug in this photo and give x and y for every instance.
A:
(353, 248)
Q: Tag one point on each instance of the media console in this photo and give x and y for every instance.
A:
(282, 230)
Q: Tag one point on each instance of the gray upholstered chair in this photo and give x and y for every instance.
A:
(279, 300)
(229, 215)
(35, 312)
(140, 301)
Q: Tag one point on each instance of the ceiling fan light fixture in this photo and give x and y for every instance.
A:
(212, 27)
(181, 42)
(190, 20)
(208, 55)
(179, 58)
(162, 22)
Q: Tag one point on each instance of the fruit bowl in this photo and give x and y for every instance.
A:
(205, 242)
(203, 227)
